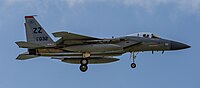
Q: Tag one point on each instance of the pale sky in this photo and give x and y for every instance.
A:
(172, 19)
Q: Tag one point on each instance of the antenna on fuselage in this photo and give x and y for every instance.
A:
(34, 15)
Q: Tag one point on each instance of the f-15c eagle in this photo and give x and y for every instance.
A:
(84, 50)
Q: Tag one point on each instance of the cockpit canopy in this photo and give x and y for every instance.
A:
(144, 35)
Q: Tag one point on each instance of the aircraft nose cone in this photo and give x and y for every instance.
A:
(178, 45)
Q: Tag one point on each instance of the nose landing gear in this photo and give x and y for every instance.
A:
(133, 65)
(133, 56)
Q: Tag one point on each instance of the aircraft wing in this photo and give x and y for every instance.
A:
(72, 37)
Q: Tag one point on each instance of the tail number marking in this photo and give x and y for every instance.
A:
(37, 30)
(42, 38)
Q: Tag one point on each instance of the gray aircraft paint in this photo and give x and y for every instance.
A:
(35, 33)
(75, 48)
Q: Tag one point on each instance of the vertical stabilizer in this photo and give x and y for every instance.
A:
(35, 33)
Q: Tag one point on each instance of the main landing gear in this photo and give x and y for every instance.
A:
(133, 56)
(84, 62)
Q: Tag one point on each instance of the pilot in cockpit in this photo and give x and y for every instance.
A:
(146, 35)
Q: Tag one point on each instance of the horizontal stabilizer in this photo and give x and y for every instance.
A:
(25, 56)
(23, 44)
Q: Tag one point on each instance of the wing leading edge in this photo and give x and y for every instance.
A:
(73, 36)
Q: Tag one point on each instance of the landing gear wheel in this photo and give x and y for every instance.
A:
(83, 68)
(133, 65)
(84, 61)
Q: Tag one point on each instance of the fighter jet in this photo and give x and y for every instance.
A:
(80, 49)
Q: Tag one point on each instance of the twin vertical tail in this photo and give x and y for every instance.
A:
(35, 34)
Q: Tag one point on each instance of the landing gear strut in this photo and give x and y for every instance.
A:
(133, 56)
(84, 62)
